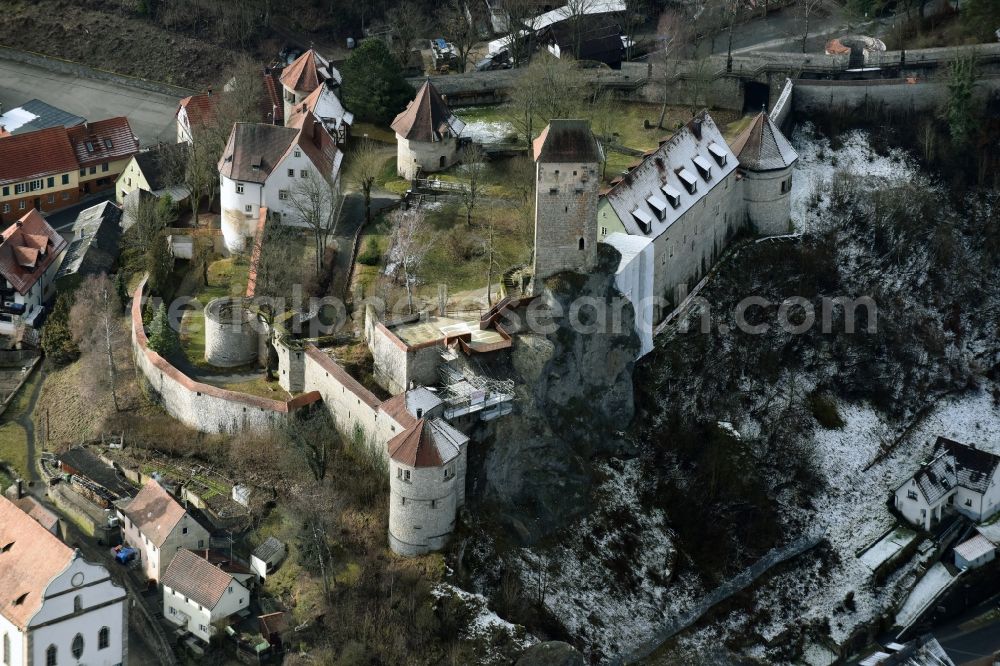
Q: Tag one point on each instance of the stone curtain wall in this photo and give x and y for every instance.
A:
(201, 406)
(897, 94)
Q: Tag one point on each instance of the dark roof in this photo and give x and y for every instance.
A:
(254, 149)
(104, 140)
(955, 464)
(85, 463)
(196, 578)
(427, 117)
(27, 249)
(600, 38)
(318, 145)
(36, 154)
(762, 146)
(270, 549)
(155, 163)
(567, 141)
(46, 116)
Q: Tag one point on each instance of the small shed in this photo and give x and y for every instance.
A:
(975, 552)
(266, 558)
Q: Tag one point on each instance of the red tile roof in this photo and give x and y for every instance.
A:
(30, 558)
(104, 140)
(36, 154)
(316, 142)
(395, 408)
(197, 579)
(303, 75)
(27, 248)
(415, 447)
(427, 118)
(38, 512)
(200, 108)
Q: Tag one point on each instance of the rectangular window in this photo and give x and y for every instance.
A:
(248, 208)
(83, 172)
(910, 494)
(239, 188)
(433, 504)
(968, 502)
(303, 173)
(283, 195)
(65, 179)
(20, 188)
(65, 196)
(104, 167)
(50, 182)
(184, 530)
(291, 173)
(406, 475)
(6, 208)
(108, 144)
(21, 205)
(298, 153)
(52, 198)
(6, 190)
(36, 185)
(93, 170)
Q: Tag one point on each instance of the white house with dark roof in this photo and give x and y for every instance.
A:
(325, 105)
(427, 134)
(30, 254)
(427, 465)
(691, 195)
(55, 607)
(260, 167)
(958, 477)
(309, 72)
(157, 526)
(197, 595)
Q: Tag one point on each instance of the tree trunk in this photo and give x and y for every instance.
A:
(489, 271)
(729, 50)
(110, 351)
(805, 35)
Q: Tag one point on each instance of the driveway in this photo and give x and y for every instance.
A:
(973, 637)
(150, 114)
(351, 219)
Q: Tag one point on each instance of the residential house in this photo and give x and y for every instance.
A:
(94, 249)
(260, 168)
(103, 149)
(267, 556)
(52, 168)
(324, 103)
(55, 607)
(309, 71)
(158, 527)
(31, 506)
(596, 38)
(36, 115)
(958, 477)
(197, 594)
(158, 170)
(193, 113)
(427, 134)
(29, 258)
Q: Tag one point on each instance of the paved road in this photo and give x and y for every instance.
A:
(352, 217)
(150, 114)
(974, 636)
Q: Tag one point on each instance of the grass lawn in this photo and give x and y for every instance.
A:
(374, 132)
(13, 438)
(389, 180)
(226, 277)
(260, 387)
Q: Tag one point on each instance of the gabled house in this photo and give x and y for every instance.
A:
(155, 170)
(595, 38)
(102, 148)
(427, 134)
(30, 250)
(309, 71)
(55, 607)
(198, 594)
(158, 527)
(325, 105)
(36, 115)
(94, 249)
(958, 477)
(193, 113)
(260, 168)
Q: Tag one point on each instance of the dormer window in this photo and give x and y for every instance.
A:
(659, 207)
(688, 179)
(718, 153)
(90, 146)
(108, 144)
(643, 219)
(704, 167)
(673, 196)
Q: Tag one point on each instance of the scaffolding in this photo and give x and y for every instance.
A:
(465, 392)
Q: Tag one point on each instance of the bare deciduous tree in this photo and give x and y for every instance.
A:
(318, 203)
(672, 34)
(365, 165)
(407, 22)
(96, 326)
(548, 88)
(807, 7)
(458, 24)
(474, 168)
(518, 14)
(408, 245)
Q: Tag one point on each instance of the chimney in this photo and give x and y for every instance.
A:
(209, 92)
(696, 128)
(420, 412)
(317, 136)
(19, 485)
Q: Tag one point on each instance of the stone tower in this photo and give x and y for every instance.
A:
(766, 158)
(567, 178)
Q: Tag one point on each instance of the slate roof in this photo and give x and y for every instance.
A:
(427, 117)
(762, 146)
(155, 163)
(86, 464)
(565, 141)
(102, 141)
(269, 550)
(658, 181)
(35, 115)
(36, 154)
(94, 248)
(154, 512)
(308, 71)
(319, 146)
(30, 558)
(254, 149)
(196, 578)
(955, 464)
(428, 443)
(27, 249)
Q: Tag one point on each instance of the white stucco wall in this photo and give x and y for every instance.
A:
(156, 560)
(634, 279)
(237, 222)
(412, 156)
(199, 619)
(422, 510)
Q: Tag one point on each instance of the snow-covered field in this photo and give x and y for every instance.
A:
(924, 592)
(482, 131)
(818, 163)
(485, 626)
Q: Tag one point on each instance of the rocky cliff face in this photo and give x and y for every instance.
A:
(573, 400)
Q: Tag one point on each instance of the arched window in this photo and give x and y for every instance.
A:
(103, 638)
(50, 655)
(444, 162)
(77, 647)
(77, 603)
(581, 244)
